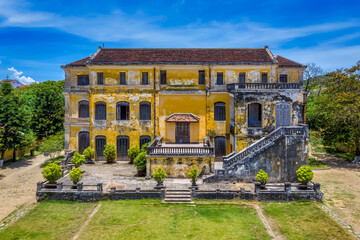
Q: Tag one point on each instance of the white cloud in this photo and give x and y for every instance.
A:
(18, 76)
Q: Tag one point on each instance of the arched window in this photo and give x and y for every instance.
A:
(100, 111)
(100, 142)
(84, 109)
(83, 141)
(122, 111)
(254, 115)
(220, 111)
(144, 139)
(220, 146)
(145, 111)
(122, 146)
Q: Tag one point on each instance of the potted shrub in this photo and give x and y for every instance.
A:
(140, 163)
(159, 175)
(78, 159)
(133, 152)
(144, 147)
(109, 152)
(52, 172)
(304, 176)
(89, 154)
(193, 176)
(263, 178)
(75, 175)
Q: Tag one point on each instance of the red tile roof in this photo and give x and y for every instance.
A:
(182, 117)
(118, 56)
(284, 62)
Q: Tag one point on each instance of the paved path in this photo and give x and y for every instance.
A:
(18, 184)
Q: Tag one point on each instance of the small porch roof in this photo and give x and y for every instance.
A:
(182, 117)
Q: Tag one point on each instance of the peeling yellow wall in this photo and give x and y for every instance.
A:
(181, 94)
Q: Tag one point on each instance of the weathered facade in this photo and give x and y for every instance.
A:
(195, 105)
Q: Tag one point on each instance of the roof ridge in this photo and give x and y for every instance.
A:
(289, 60)
(180, 48)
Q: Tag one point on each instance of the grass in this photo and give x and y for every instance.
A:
(304, 220)
(315, 164)
(49, 220)
(56, 160)
(150, 219)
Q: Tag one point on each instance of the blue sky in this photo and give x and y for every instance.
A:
(37, 37)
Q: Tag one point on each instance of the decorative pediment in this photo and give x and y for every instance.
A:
(182, 117)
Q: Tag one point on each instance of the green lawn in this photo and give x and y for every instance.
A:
(304, 220)
(49, 220)
(151, 219)
(154, 220)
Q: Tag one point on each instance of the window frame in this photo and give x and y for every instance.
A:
(219, 77)
(83, 102)
(259, 122)
(201, 77)
(162, 77)
(119, 106)
(242, 75)
(284, 75)
(220, 111)
(80, 80)
(145, 116)
(264, 74)
(97, 114)
(100, 78)
(143, 82)
(122, 78)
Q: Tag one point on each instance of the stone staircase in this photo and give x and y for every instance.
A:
(177, 196)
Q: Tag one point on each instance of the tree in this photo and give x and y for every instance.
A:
(44, 102)
(337, 109)
(311, 73)
(53, 144)
(14, 122)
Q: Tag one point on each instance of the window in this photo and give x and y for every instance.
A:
(84, 109)
(122, 111)
(254, 115)
(145, 78)
(283, 78)
(219, 78)
(220, 146)
(122, 146)
(201, 77)
(220, 111)
(100, 111)
(163, 77)
(84, 141)
(264, 77)
(145, 111)
(241, 77)
(144, 139)
(100, 78)
(123, 78)
(83, 80)
(100, 142)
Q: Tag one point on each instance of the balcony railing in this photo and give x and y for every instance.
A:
(156, 147)
(242, 86)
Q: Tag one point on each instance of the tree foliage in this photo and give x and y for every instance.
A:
(89, 153)
(78, 159)
(14, 122)
(334, 108)
(159, 175)
(133, 152)
(109, 152)
(140, 161)
(75, 175)
(52, 144)
(193, 176)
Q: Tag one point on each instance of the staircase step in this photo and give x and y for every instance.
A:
(178, 196)
(178, 190)
(188, 200)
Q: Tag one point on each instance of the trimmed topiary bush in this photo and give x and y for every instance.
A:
(75, 175)
(159, 175)
(262, 177)
(52, 172)
(109, 152)
(193, 176)
(140, 163)
(304, 174)
(89, 153)
(78, 159)
(133, 152)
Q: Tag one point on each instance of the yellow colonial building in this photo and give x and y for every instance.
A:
(195, 106)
